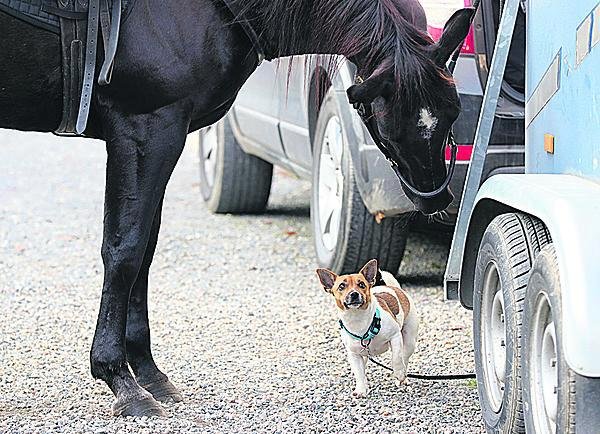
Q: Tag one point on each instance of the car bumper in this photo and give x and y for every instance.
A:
(381, 191)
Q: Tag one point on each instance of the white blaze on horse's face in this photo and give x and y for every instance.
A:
(427, 122)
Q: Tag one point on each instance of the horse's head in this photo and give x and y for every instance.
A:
(414, 123)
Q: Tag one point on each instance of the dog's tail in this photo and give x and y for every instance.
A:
(385, 278)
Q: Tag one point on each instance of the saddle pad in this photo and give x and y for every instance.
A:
(31, 12)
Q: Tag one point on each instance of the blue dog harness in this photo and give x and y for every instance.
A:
(371, 332)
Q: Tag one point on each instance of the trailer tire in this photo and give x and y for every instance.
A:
(548, 382)
(506, 254)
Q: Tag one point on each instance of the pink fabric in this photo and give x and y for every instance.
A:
(463, 153)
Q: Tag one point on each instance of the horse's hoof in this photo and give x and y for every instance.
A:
(163, 391)
(144, 406)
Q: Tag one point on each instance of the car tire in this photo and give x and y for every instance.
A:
(506, 254)
(548, 382)
(231, 181)
(346, 235)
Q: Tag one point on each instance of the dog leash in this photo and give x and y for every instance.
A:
(415, 376)
(426, 377)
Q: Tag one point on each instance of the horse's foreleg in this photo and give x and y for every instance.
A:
(142, 153)
(139, 354)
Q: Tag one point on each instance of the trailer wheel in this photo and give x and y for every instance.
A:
(506, 255)
(548, 382)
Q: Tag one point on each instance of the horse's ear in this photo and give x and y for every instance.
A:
(368, 90)
(455, 32)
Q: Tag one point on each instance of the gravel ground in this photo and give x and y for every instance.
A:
(239, 321)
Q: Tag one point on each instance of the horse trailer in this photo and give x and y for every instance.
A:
(525, 254)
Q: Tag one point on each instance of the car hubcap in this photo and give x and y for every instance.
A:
(493, 337)
(331, 183)
(544, 358)
(208, 153)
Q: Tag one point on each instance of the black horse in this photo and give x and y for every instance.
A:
(179, 67)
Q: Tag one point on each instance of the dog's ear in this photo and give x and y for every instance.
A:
(370, 271)
(327, 278)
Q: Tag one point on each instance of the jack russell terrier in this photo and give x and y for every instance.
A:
(375, 315)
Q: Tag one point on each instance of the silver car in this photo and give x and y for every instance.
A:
(298, 117)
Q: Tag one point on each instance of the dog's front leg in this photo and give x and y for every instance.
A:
(357, 365)
(398, 364)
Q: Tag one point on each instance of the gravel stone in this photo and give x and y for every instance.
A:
(238, 319)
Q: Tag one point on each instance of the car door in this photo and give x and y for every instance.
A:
(293, 115)
(256, 111)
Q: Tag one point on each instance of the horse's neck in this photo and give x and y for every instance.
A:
(298, 29)
(276, 34)
(292, 30)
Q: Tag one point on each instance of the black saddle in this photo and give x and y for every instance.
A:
(78, 22)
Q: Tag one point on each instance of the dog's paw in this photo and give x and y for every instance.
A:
(400, 379)
(360, 393)
(399, 383)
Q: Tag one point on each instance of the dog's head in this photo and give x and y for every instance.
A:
(351, 291)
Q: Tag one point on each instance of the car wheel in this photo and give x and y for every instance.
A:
(346, 235)
(231, 181)
(506, 254)
(548, 382)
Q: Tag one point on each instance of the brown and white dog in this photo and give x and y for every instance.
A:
(360, 299)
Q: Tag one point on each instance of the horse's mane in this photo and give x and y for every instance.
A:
(375, 30)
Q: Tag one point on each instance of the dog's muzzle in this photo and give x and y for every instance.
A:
(353, 300)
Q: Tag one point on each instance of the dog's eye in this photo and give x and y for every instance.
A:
(341, 286)
(361, 285)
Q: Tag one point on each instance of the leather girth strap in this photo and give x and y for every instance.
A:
(80, 23)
